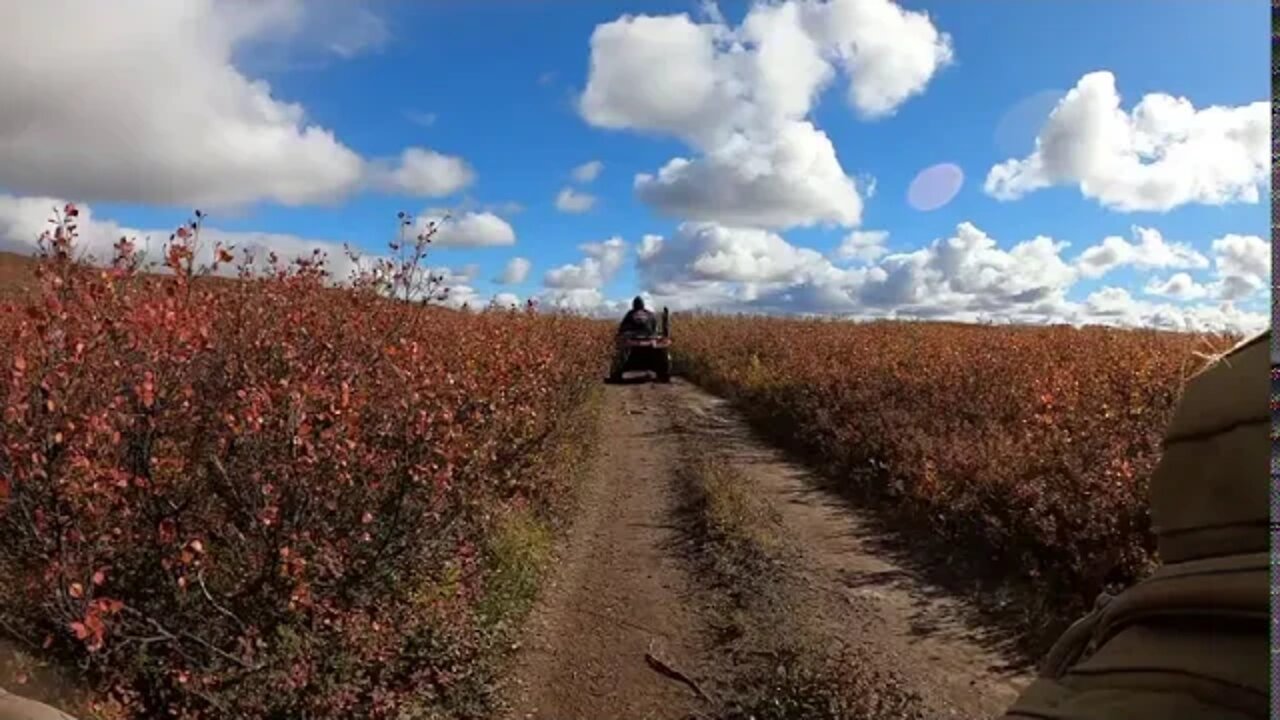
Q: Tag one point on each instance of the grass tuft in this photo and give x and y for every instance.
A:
(519, 550)
(786, 673)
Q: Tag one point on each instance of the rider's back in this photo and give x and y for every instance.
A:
(1192, 641)
(639, 321)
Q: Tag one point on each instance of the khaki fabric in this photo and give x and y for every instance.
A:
(1191, 642)
(13, 707)
(1210, 495)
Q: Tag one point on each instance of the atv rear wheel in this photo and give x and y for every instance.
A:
(663, 369)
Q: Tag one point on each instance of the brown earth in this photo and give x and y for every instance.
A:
(21, 674)
(17, 277)
(620, 590)
(624, 586)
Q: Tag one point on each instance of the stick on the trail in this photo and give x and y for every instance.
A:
(674, 674)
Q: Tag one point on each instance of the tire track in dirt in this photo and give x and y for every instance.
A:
(622, 584)
(850, 593)
(620, 589)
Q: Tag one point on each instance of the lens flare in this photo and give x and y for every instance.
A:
(1015, 134)
(935, 186)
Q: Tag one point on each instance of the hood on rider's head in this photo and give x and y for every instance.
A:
(638, 303)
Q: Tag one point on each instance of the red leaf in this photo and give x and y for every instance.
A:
(80, 630)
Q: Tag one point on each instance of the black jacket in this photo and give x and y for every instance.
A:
(639, 321)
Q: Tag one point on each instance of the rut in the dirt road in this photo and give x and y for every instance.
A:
(625, 586)
(620, 591)
(848, 593)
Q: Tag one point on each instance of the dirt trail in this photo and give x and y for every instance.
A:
(854, 592)
(620, 590)
(22, 675)
(622, 586)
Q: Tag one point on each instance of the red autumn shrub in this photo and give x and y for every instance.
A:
(265, 497)
(1029, 446)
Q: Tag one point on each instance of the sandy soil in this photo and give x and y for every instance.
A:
(620, 590)
(623, 587)
(854, 592)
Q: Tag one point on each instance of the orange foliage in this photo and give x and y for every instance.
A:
(1029, 446)
(266, 498)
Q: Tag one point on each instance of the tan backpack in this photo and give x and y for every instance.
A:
(1191, 642)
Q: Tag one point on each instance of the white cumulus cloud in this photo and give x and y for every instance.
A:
(581, 301)
(1150, 252)
(468, 229)
(506, 300)
(965, 273)
(789, 179)
(151, 102)
(569, 200)
(421, 172)
(602, 262)
(515, 271)
(1179, 286)
(970, 271)
(587, 172)
(23, 219)
(966, 276)
(142, 102)
(740, 97)
(1242, 264)
(863, 245)
(1116, 306)
(1163, 154)
(708, 252)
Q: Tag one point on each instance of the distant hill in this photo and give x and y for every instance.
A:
(17, 275)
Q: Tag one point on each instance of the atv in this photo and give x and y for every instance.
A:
(643, 352)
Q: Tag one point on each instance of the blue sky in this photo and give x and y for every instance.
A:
(496, 84)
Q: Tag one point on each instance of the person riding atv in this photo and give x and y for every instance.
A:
(639, 344)
(638, 320)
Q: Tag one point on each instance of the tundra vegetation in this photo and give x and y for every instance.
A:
(270, 497)
(1017, 451)
(266, 495)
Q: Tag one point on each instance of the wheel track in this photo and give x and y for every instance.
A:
(622, 587)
